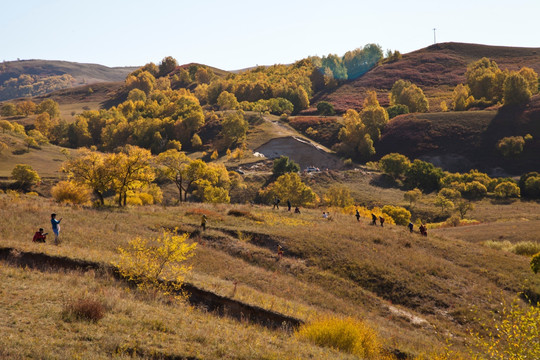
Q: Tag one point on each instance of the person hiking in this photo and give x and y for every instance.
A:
(279, 252)
(276, 203)
(288, 205)
(373, 219)
(381, 220)
(55, 228)
(39, 236)
(357, 215)
(203, 222)
(410, 226)
(423, 230)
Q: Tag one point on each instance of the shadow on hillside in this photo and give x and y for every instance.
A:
(208, 300)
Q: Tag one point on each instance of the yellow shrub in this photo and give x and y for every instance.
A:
(134, 200)
(149, 261)
(71, 193)
(346, 335)
(512, 333)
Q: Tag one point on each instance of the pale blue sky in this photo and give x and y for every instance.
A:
(236, 34)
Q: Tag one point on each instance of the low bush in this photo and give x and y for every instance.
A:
(527, 248)
(246, 214)
(346, 335)
(400, 215)
(84, 309)
(70, 193)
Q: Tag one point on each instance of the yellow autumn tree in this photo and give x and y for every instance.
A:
(132, 171)
(290, 186)
(354, 136)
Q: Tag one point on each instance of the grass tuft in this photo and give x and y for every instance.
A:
(87, 309)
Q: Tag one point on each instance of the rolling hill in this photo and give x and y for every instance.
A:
(44, 76)
(436, 69)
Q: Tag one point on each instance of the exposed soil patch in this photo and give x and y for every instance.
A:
(301, 151)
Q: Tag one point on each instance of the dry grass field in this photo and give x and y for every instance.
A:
(417, 293)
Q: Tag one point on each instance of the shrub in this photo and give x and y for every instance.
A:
(401, 216)
(396, 110)
(24, 175)
(346, 335)
(507, 189)
(84, 309)
(512, 333)
(535, 263)
(527, 248)
(498, 245)
(511, 146)
(148, 262)
(412, 196)
(325, 108)
(283, 165)
(338, 195)
(394, 164)
(423, 175)
(474, 191)
(69, 192)
(246, 214)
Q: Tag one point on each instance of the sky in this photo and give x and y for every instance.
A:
(236, 34)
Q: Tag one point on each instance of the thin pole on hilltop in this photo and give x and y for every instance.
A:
(434, 37)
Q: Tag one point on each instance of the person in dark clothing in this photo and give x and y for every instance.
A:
(297, 210)
(288, 205)
(423, 230)
(381, 220)
(203, 222)
(357, 215)
(276, 203)
(39, 236)
(373, 219)
(410, 226)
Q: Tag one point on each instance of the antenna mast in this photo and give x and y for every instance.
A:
(434, 37)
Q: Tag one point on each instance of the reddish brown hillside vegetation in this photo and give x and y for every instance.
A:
(437, 68)
(459, 141)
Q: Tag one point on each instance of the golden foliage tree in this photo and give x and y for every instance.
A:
(132, 171)
(516, 89)
(25, 176)
(459, 97)
(94, 170)
(354, 137)
(373, 115)
(290, 186)
(338, 195)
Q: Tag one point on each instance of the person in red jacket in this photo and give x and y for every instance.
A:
(39, 236)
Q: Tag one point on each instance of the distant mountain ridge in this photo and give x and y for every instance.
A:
(27, 78)
(83, 73)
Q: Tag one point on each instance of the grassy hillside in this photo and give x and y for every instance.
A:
(437, 69)
(411, 289)
(459, 141)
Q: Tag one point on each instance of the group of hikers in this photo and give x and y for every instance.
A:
(41, 237)
(277, 201)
